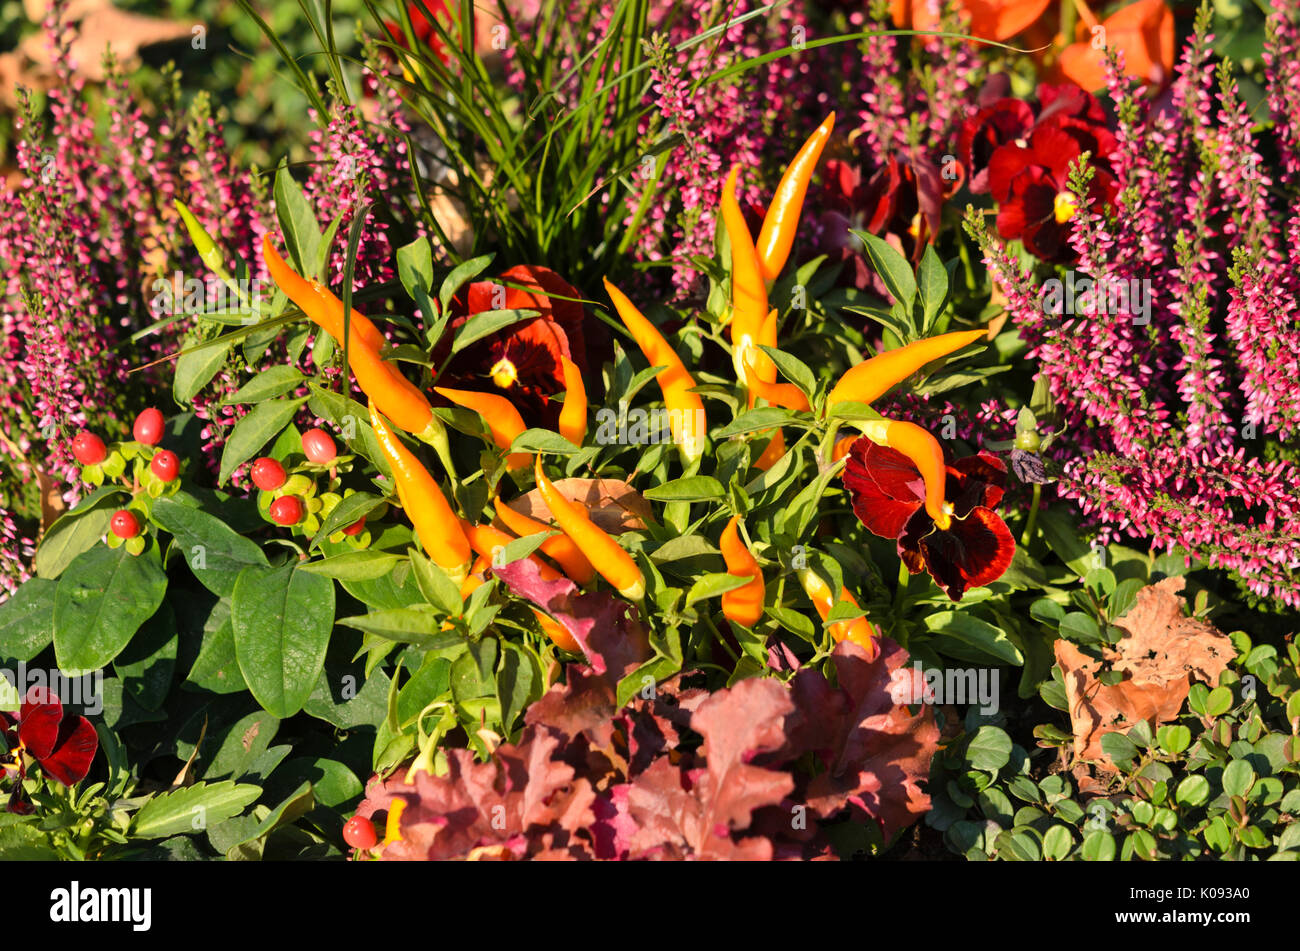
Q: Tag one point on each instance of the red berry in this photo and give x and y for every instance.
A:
(88, 448)
(359, 833)
(286, 510)
(356, 527)
(319, 447)
(148, 427)
(124, 524)
(268, 475)
(165, 465)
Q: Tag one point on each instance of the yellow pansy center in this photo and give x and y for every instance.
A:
(1064, 207)
(504, 373)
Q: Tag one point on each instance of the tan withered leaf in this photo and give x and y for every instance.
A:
(102, 25)
(611, 503)
(1161, 654)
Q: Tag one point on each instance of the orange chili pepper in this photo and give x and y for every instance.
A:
(842, 447)
(685, 409)
(748, 291)
(316, 301)
(487, 540)
(503, 420)
(859, 630)
(425, 505)
(872, 377)
(392, 393)
(559, 548)
(782, 218)
(557, 632)
(615, 565)
(573, 415)
(925, 453)
(744, 605)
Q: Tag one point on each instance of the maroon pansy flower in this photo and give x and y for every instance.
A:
(521, 361)
(889, 497)
(63, 747)
(1031, 184)
(1009, 121)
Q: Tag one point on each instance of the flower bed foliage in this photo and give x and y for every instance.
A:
(659, 431)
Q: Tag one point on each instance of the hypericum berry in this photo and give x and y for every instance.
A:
(356, 527)
(359, 832)
(268, 475)
(319, 447)
(89, 449)
(287, 510)
(148, 427)
(165, 465)
(124, 524)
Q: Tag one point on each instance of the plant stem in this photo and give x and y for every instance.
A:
(1033, 515)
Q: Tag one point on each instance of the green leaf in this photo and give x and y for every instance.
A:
(1174, 739)
(543, 440)
(979, 634)
(242, 743)
(215, 552)
(298, 804)
(297, 222)
(346, 513)
(282, 618)
(1098, 846)
(519, 682)
(764, 417)
(933, 285)
(101, 601)
(1238, 777)
(485, 324)
(892, 267)
(436, 584)
(71, 535)
(254, 431)
(465, 271)
(196, 367)
(413, 625)
(1079, 627)
(714, 585)
(1218, 702)
(684, 546)
(1057, 842)
(689, 489)
(363, 565)
(354, 706)
(192, 808)
(793, 369)
(415, 267)
(1119, 748)
(989, 749)
(27, 620)
(271, 382)
(216, 668)
(147, 663)
(1193, 791)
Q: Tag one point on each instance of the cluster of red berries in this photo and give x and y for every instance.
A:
(89, 450)
(269, 475)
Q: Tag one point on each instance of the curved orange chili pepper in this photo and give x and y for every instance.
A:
(503, 420)
(744, 605)
(925, 453)
(487, 540)
(438, 527)
(685, 409)
(557, 632)
(560, 547)
(782, 218)
(329, 311)
(842, 447)
(872, 377)
(614, 564)
(859, 630)
(748, 291)
(573, 414)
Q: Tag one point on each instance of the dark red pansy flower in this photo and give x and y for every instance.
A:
(889, 497)
(1031, 186)
(1010, 121)
(421, 26)
(62, 747)
(901, 202)
(520, 361)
